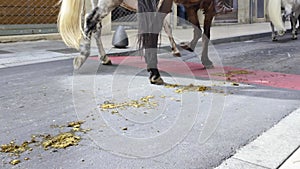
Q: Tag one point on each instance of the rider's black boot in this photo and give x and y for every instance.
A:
(155, 77)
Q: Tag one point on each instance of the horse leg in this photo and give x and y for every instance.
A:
(193, 18)
(294, 30)
(168, 31)
(85, 48)
(297, 16)
(102, 54)
(205, 40)
(93, 25)
(274, 34)
(86, 43)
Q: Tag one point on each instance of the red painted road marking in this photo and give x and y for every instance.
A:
(264, 78)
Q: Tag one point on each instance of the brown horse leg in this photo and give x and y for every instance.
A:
(205, 40)
(193, 18)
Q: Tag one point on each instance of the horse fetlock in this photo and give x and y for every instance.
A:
(78, 61)
(186, 46)
(176, 52)
(207, 63)
(106, 61)
(274, 37)
(281, 32)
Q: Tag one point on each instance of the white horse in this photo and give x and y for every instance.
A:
(291, 8)
(70, 26)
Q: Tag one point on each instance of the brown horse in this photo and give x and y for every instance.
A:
(150, 24)
(70, 27)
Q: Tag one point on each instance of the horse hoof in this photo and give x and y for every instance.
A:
(107, 62)
(294, 38)
(176, 54)
(274, 39)
(281, 32)
(78, 62)
(185, 46)
(209, 66)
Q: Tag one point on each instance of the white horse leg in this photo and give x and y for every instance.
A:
(84, 50)
(274, 34)
(102, 54)
(103, 9)
(93, 25)
(168, 31)
(85, 47)
(94, 2)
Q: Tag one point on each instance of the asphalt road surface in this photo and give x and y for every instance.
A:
(179, 129)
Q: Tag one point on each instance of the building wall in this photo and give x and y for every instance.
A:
(248, 11)
(34, 17)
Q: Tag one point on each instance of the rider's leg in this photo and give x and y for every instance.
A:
(221, 7)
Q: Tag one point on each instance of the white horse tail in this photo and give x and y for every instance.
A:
(274, 8)
(69, 22)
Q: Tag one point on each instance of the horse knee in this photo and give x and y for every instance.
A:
(198, 33)
(85, 51)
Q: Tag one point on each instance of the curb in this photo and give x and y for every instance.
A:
(241, 38)
(35, 37)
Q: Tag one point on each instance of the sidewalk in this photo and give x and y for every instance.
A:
(271, 150)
